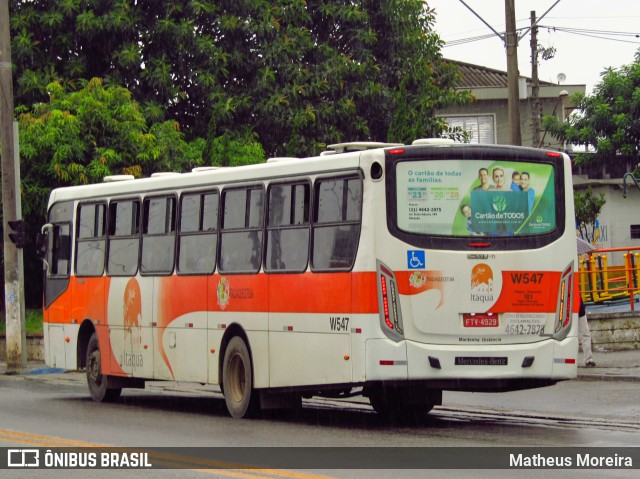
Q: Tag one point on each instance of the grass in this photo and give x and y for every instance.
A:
(33, 322)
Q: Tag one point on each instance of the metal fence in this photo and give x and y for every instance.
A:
(600, 281)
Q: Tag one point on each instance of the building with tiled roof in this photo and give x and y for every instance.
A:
(487, 118)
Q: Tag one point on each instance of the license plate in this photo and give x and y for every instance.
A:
(480, 320)
(483, 361)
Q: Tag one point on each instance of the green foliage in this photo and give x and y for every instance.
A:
(609, 119)
(290, 74)
(80, 137)
(226, 151)
(32, 319)
(417, 80)
(458, 134)
(188, 83)
(588, 207)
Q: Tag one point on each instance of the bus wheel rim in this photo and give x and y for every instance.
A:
(94, 367)
(238, 378)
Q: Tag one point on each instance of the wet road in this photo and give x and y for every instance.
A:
(56, 411)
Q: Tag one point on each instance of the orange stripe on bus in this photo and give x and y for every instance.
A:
(323, 293)
(538, 293)
(354, 293)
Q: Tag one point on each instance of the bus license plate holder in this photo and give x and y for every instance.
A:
(480, 320)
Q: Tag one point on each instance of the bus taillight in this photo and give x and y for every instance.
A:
(564, 309)
(390, 315)
(385, 301)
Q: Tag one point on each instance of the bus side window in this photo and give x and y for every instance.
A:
(336, 228)
(241, 230)
(198, 233)
(158, 235)
(124, 238)
(287, 247)
(60, 250)
(91, 239)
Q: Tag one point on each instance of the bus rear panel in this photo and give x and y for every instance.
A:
(475, 278)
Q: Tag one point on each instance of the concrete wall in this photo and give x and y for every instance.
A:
(35, 347)
(615, 331)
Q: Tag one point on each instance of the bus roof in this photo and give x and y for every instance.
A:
(340, 157)
(208, 176)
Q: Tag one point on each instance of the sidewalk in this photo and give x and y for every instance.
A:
(611, 366)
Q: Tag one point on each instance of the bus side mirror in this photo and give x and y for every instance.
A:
(41, 245)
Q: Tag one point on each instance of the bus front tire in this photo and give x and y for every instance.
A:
(237, 380)
(96, 381)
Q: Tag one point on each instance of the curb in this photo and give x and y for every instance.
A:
(607, 377)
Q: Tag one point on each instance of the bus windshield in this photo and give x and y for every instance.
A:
(475, 197)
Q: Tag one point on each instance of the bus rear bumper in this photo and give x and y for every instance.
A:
(473, 367)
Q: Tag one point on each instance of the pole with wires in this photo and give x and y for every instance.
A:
(11, 217)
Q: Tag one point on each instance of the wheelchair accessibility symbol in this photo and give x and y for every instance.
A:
(415, 259)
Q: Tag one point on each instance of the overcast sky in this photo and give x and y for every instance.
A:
(605, 33)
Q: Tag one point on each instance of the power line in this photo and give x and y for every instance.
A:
(599, 34)
(462, 41)
(608, 32)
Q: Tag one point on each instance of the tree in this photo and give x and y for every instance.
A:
(165, 52)
(332, 71)
(78, 137)
(609, 119)
(588, 207)
(292, 75)
(416, 80)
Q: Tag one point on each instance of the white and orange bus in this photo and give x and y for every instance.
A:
(391, 271)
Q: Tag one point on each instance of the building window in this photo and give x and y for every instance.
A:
(481, 128)
(634, 231)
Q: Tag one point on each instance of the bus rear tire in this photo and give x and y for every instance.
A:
(96, 381)
(237, 380)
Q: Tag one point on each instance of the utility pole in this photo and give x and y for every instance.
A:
(535, 85)
(11, 221)
(511, 45)
(510, 39)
